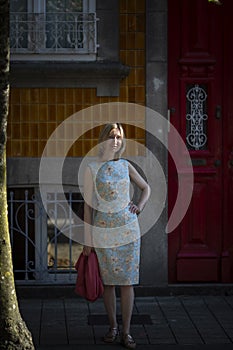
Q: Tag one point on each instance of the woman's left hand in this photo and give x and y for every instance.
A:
(133, 208)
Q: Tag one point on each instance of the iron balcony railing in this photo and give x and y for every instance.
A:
(56, 33)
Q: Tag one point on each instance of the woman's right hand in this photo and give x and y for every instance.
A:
(86, 250)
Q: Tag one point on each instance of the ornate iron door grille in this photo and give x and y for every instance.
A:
(196, 117)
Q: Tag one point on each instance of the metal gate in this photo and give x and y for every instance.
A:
(42, 254)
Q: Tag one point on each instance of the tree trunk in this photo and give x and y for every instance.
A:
(13, 331)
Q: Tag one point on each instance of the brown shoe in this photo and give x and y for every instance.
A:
(111, 335)
(128, 342)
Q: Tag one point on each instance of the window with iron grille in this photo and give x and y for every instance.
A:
(54, 43)
(53, 27)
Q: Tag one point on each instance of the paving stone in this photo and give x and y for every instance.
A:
(209, 328)
(160, 334)
(98, 332)
(80, 335)
(179, 321)
(76, 312)
(223, 313)
(184, 322)
(31, 313)
(53, 323)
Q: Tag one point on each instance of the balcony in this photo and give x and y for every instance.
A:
(70, 33)
(59, 50)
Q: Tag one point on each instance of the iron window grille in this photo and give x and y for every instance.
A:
(45, 32)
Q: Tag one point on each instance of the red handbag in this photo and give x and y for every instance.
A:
(88, 284)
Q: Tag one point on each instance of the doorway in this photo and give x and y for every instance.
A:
(200, 79)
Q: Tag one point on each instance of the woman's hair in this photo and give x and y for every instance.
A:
(104, 134)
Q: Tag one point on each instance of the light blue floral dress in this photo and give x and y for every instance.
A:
(116, 232)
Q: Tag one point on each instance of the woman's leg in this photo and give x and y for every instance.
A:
(127, 302)
(110, 304)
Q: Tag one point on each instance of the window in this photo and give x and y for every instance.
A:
(53, 27)
(51, 36)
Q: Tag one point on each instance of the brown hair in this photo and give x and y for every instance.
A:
(104, 134)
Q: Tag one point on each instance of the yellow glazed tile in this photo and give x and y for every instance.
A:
(43, 95)
(15, 96)
(123, 22)
(16, 148)
(140, 40)
(41, 147)
(14, 113)
(25, 96)
(140, 76)
(34, 148)
(131, 40)
(60, 93)
(60, 113)
(69, 96)
(52, 96)
(52, 113)
(140, 93)
(8, 149)
(42, 131)
(50, 128)
(25, 150)
(140, 58)
(140, 22)
(15, 131)
(34, 112)
(24, 113)
(34, 95)
(43, 112)
(24, 131)
(131, 8)
(33, 131)
(140, 6)
(131, 23)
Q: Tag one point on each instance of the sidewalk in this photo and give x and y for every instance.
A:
(164, 322)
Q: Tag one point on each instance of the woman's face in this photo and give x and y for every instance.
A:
(114, 141)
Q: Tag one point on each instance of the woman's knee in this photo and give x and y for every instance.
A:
(125, 289)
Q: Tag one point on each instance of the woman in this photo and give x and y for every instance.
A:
(115, 221)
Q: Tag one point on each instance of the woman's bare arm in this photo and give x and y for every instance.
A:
(88, 193)
(144, 187)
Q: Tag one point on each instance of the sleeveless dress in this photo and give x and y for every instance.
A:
(115, 230)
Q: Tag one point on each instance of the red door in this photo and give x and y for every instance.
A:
(199, 96)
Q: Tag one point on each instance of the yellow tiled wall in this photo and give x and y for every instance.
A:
(35, 113)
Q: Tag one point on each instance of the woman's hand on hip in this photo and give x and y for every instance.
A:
(133, 208)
